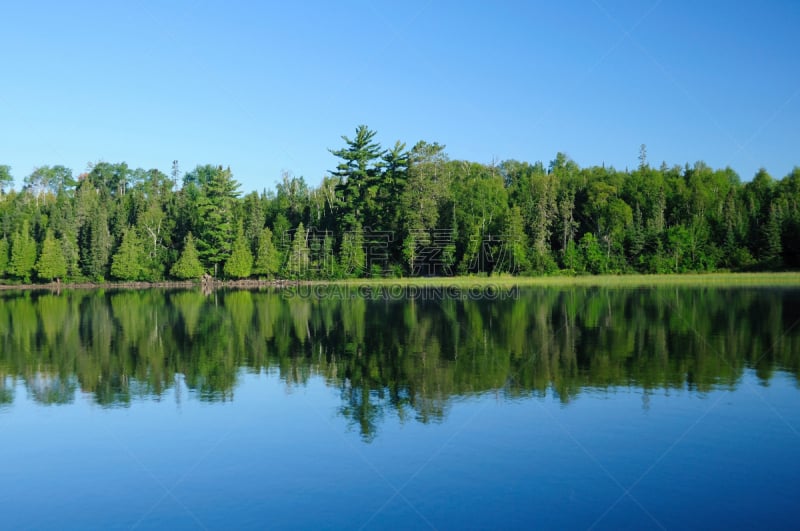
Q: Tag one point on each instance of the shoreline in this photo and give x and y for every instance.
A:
(143, 285)
(789, 278)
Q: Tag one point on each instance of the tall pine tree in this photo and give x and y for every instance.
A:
(360, 173)
(215, 208)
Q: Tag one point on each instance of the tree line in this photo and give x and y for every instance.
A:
(395, 212)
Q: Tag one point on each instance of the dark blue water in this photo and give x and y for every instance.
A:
(552, 409)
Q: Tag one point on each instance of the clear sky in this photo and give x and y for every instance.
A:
(269, 86)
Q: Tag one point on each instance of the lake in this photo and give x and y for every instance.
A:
(367, 408)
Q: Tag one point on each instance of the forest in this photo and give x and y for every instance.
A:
(395, 212)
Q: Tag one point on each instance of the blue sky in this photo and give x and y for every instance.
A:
(269, 87)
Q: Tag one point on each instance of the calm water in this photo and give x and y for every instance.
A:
(545, 408)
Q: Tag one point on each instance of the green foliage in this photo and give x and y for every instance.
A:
(51, 264)
(23, 254)
(299, 260)
(52, 180)
(94, 237)
(280, 234)
(240, 263)
(327, 265)
(3, 256)
(154, 226)
(127, 262)
(425, 190)
(592, 256)
(188, 265)
(352, 258)
(267, 261)
(772, 254)
(6, 180)
(115, 347)
(360, 174)
(215, 208)
(398, 211)
(573, 258)
(515, 244)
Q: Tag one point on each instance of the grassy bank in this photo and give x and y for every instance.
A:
(711, 279)
(506, 281)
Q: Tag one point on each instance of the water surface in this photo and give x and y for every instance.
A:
(541, 407)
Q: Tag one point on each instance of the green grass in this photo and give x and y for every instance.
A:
(710, 279)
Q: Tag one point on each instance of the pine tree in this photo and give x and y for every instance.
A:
(773, 250)
(95, 243)
(515, 244)
(361, 174)
(23, 254)
(267, 261)
(215, 208)
(128, 262)
(572, 257)
(592, 254)
(328, 267)
(240, 263)
(188, 265)
(3, 256)
(351, 254)
(51, 264)
(299, 257)
(71, 252)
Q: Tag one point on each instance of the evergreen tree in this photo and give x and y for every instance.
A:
(773, 250)
(281, 237)
(635, 239)
(328, 267)
(515, 245)
(3, 256)
(240, 263)
(268, 261)
(188, 265)
(392, 183)
(572, 258)
(360, 174)
(128, 262)
(409, 252)
(95, 243)
(23, 253)
(352, 257)
(592, 254)
(297, 265)
(51, 264)
(597, 219)
(71, 251)
(215, 209)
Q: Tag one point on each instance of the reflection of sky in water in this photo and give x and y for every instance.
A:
(561, 409)
(279, 455)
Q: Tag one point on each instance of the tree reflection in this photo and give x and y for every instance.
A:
(407, 357)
